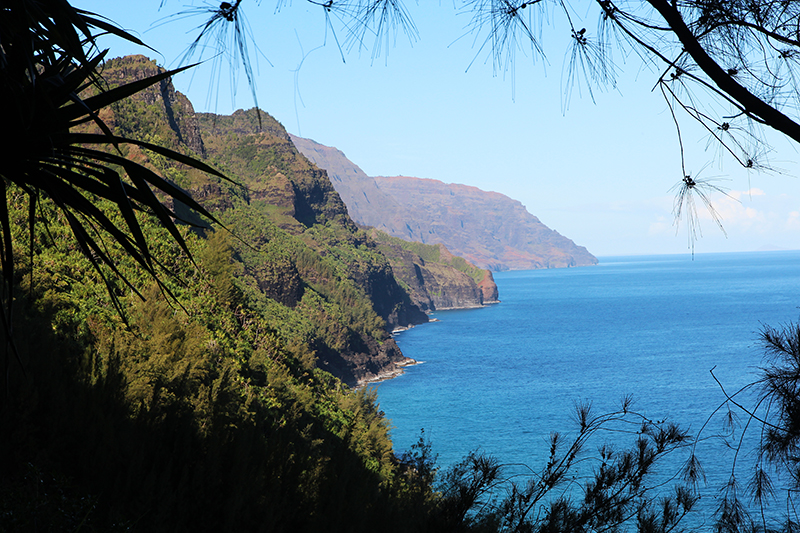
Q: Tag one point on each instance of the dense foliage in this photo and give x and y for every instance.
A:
(193, 400)
(197, 416)
(170, 376)
(50, 87)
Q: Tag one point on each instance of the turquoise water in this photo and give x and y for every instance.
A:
(502, 378)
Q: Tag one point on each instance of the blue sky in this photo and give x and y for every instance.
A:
(597, 172)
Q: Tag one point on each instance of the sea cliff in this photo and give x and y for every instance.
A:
(435, 278)
(296, 245)
(488, 229)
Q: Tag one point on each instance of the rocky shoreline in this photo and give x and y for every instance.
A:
(484, 304)
(388, 374)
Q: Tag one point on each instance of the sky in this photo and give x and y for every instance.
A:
(598, 168)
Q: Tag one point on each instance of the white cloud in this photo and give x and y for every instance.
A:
(746, 195)
(754, 192)
(793, 221)
(731, 210)
(754, 216)
(660, 227)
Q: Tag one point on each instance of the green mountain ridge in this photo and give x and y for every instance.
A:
(488, 229)
(212, 404)
(279, 186)
(294, 242)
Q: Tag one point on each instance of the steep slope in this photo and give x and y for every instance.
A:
(489, 229)
(435, 278)
(358, 191)
(297, 253)
(200, 403)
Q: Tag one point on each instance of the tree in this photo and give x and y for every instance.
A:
(765, 471)
(607, 489)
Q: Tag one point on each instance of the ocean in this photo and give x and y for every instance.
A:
(502, 378)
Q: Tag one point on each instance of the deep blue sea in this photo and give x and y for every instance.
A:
(501, 378)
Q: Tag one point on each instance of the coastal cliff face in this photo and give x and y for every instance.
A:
(434, 286)
(489, 288)
(489, 229)
(307, 203)
(323, 285)
(435, 278)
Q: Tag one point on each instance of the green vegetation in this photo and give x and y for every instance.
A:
(199, 416)
(202, 402)
(170, 377)
(199, 403)
(434, 278)
(205, 413)
(432, 253)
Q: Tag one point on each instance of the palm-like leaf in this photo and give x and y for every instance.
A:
(47, 61)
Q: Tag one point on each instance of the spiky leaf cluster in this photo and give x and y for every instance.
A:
(51, 86)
